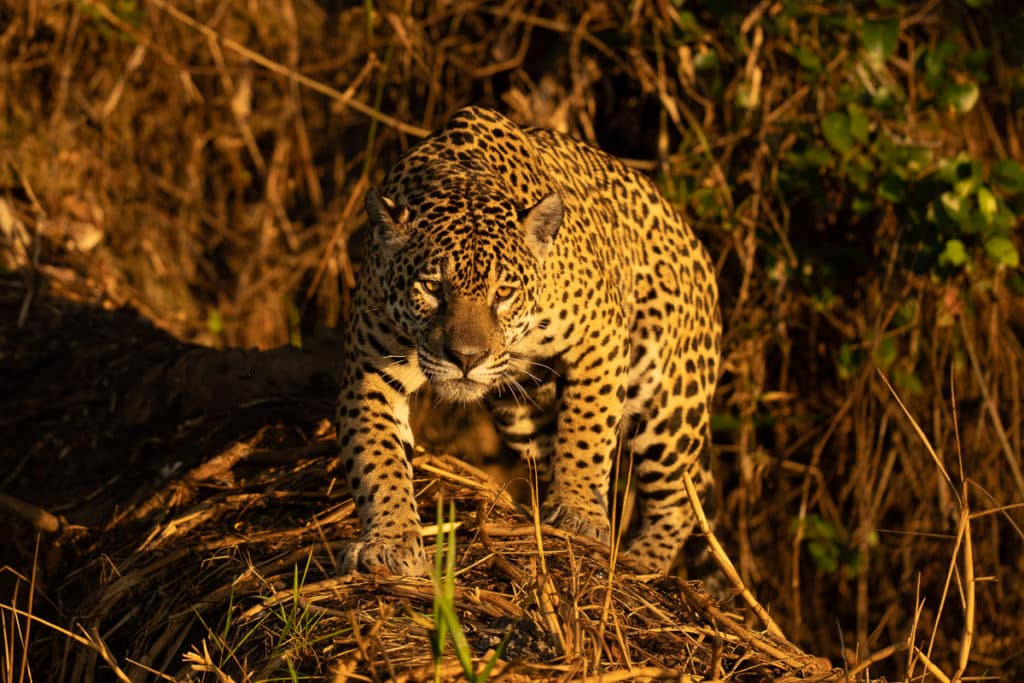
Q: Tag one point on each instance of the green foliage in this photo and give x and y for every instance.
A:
(871, 148)
(827, 548)
(880, 38)
(297, 624)
(838, 131)
(285, 633)
(446, 620)
(869, 172)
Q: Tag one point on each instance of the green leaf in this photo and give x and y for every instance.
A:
(953, 254)
(1005, 220)
(848, 361)
(1009, 175)
(962, 172)
(859, 173)
(978, 58)
(859, 123)
(1002, 251)
(822, 541)
(811, 157)
(987, 203)
(916, 159)
(907, 381)
(883, 97)
(825, 555)
(953, 204)
(862, 204)
(886, 352)
(836, 129)
(905, 313)
(935, 61)
(688, 22)
(807, 59)
(961, 97)
(892, 189)
(880, 39)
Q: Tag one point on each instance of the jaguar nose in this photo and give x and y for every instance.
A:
(466, 357)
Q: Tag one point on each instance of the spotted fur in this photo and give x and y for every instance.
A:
(543, 276)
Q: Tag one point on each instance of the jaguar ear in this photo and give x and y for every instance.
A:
(387, 219)
(541, 223)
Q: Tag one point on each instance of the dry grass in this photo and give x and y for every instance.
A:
(241, 585)
(204, 162)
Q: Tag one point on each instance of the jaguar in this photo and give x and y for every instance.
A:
(533, 272)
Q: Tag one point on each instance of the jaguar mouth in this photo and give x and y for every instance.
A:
(462, 390)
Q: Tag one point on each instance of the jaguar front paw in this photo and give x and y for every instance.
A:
(397, 556)
(582, 521)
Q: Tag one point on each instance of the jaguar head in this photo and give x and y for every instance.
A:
(463, 275)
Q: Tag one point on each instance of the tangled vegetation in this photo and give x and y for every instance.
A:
(854, 167)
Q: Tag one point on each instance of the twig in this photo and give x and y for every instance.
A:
(632, 674)
(615, 543)
(33, 514)
(874, 658)
(963, 539)
(920, 434)
(967, 637)
(725, 563)
(91, 639)
(967, 634)
(506, 567)
(31, 601)
(757, 641)
(216, 467)
(930, 665)
(544, 592)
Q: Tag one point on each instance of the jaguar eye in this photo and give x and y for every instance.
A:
(504, 292)
(431, 286)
